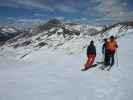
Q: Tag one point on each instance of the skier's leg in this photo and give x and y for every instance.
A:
(110, 64)
(112, 59)
(107, 60)
(92, 59)
(88, 61)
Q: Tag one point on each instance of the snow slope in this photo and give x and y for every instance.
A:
(50, 74)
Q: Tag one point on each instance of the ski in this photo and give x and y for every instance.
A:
(85, 69)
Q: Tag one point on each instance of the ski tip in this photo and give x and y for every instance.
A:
(83, 69)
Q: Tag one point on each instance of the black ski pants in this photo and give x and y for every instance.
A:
(109, 58)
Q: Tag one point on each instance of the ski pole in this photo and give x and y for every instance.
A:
(117, 58)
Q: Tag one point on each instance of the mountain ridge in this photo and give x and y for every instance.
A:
(57, 34)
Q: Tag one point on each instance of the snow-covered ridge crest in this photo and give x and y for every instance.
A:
(53, 33)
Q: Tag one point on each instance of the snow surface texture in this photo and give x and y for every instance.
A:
(48, 74)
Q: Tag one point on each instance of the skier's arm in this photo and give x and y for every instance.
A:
(95, 50)
(103, 48)
(88, 50)
(116, 45)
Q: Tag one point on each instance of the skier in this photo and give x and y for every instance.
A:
(91, 54)
(104, 51)
(105, 54)
(111, 49)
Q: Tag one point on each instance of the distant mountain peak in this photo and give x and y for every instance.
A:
(7, 32)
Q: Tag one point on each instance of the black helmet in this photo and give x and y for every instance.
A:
(105, 40)
(92, 42)
(112, 37)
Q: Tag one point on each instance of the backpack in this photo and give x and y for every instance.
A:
(112, 45)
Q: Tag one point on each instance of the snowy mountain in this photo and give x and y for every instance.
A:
(54, 33)
(7, 33)
(48, 74)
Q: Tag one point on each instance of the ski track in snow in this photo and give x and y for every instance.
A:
(48, 75)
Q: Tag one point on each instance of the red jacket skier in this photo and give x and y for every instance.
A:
(91, 54)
